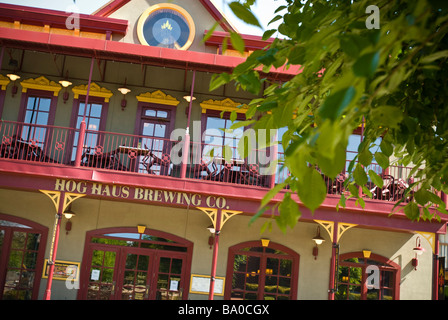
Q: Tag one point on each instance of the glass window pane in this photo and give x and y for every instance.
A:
(96, 110)
(150, 113)
(18, 240)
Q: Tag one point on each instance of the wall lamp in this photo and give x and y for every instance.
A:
(124, 91)
(318, 240)
(65, 83)
(13, 77)
(68, 225)
(418, 251)
(211, 239)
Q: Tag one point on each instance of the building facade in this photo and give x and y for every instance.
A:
(114, 168)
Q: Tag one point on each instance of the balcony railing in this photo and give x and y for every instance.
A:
(160, 156)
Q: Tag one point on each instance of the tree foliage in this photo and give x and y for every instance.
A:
(392, 81)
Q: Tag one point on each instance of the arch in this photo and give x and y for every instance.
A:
(261, 272)
(123, 245)
(375, 272)
(26, 261)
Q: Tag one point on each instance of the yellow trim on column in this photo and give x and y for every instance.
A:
(223, 105)
(4, 81)
(213, 214)
(95, 91)
(55, 197)
(431, 238)
(328, 226)
(41, 83)
(158, 97)
(342, 227)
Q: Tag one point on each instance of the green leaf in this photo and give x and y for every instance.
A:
(422, 196)
(268, 33)
(386, 148)
(365, 157)
(367, 64)
(376, 179)
(386, 116)
(244, 13)
(289, 213)
(412, 211)
(312, 189)
(335, 105)
(271, 193)
(360, 175)
(434, 56)
(237, 42)
(218, 80)
(382, 160)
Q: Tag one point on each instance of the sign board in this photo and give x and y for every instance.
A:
(62, 270)
(201, 284)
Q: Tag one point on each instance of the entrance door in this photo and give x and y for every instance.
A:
(143, 267)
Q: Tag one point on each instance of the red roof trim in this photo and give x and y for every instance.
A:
(128, 52)
(211, 8)
(58, 19)
(110, 8)
(251, 42)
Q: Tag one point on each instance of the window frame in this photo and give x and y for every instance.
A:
(390, 266)
(237, 250)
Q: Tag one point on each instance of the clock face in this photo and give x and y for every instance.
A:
(167, 26)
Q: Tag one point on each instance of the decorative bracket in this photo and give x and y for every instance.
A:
(341, 228)
(431, 238)
(213, 215)
(55, 197)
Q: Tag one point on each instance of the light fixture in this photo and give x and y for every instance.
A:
(124, 91)
(366, 253)
(317, 240)
(68, 225)
(211, 228)
(418, 251)
(211, 238)
(65, 83)
(141, 228)
(265, 242)
(13, 77)
(189, 98)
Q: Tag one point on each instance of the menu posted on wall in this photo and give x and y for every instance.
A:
(201, 284)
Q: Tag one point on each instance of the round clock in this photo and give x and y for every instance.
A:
(166, 25)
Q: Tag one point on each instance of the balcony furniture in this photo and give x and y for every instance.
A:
(98, 159)
(336, 185)
(19, 149)
(230, 170)
(164, 162)
(252, 175)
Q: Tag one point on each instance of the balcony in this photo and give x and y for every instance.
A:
(143, 155)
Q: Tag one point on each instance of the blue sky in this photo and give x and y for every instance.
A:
(264, 10)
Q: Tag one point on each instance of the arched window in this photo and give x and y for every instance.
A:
(124, 264)
(367, 278)
(255, 272)
(22, 248)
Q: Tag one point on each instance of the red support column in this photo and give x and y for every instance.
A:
(215, 255)
(333, 267)
(54, 247)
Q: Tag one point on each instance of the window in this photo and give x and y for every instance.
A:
(373, 278)
(219, 138)
(37, 112)
(94, 115)
(22, 246)
(261, 273)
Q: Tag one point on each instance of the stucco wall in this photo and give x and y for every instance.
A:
(191, 224)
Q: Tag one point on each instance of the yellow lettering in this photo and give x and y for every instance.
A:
(209, 203)
(138, 193)
(196, 200)
(60, 185)
(125, 192)
(96, 188)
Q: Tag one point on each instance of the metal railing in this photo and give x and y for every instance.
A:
(160, 156)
